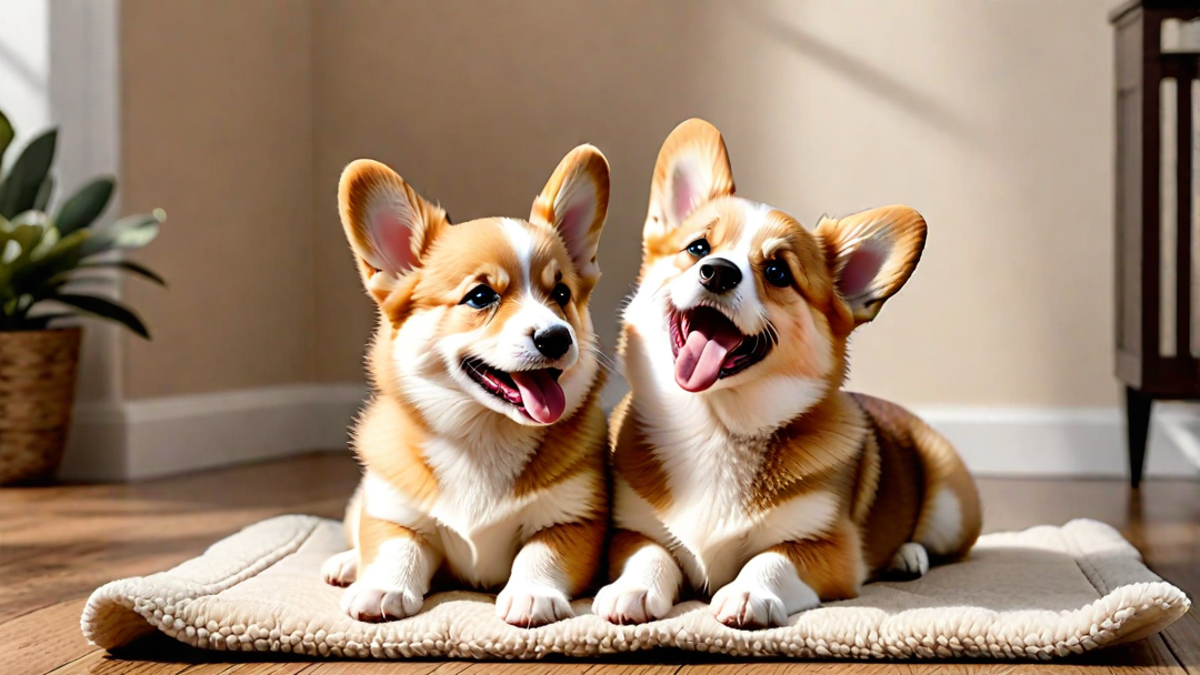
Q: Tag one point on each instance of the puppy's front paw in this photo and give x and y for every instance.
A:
(531, 606)
(621, 602)
(742, 605)
(911, 561)
(365, 602)
(341, 569)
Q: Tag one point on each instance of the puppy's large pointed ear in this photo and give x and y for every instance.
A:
(575, 203)
(871, 254)
(389, 226)
(692, 168)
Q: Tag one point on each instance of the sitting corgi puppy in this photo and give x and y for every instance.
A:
(740, 468)
(483, 448)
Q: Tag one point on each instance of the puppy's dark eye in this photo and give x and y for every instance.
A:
(777, 272)
(480, 297)
(699, 248)
(561, 294)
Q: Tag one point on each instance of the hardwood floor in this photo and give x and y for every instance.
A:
(59, 543)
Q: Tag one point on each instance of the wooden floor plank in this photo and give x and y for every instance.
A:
(634, 669)
(799, 668)
(44, 639)
(536, 668)
(376, 667)
(82, 665)
(1145, 657)
(1183, 639)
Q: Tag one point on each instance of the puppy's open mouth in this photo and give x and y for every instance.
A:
(536, 393)
(709, 346)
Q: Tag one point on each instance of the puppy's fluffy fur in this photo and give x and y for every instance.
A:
(741, 469)
(483, 447)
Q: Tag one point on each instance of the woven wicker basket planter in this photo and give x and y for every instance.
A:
(37, 393)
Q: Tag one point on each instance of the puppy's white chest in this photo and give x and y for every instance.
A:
(714, 541)
(712, 527)
(479, 545)
(475, 519)
(711, 483)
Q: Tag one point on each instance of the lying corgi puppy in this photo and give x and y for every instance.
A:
(740, 468)
(483, 449)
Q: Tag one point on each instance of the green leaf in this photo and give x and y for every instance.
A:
(62, 256)
(107, 309)
(6, 135)
(27, 237)
(49, 239)
(129, 232)
(20, 187)
(128, 266)
(85, 206)
(43, 194)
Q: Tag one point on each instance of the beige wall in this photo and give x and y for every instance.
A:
(217, 129)
(992, 118)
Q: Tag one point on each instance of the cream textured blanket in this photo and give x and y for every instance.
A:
(1038, 594)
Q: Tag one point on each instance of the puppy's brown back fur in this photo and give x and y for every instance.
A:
(916, 462)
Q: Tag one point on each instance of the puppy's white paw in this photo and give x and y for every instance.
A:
(742, 605)
(622, 602)
(530, 606)
(911, 561)
(341, 569)
(365, 602)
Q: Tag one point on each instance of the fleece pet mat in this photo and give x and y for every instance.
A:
(1037, 594)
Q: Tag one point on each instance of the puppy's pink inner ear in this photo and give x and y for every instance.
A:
(392, 242)
(683, 195)
(861, 268)
(574, 225)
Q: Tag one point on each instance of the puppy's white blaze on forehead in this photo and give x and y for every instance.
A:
(517, 337)
(756, 218)
(522, 244)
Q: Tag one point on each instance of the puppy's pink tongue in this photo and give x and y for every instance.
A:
(698, 365)
(543, 398)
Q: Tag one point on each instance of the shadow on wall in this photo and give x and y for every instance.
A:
(15, 66)
(843, 61)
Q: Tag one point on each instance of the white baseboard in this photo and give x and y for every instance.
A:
(158, 437)
(1065, 442)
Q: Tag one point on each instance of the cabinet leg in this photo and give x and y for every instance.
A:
(1137, 427)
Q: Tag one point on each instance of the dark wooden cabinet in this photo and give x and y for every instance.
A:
(1157, 321)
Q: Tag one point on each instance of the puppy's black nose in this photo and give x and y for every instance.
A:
(553, 342)
(719, 275)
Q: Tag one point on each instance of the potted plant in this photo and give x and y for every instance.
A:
(44, 264)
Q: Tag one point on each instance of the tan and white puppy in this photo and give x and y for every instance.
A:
(483, 449)
(740, 468)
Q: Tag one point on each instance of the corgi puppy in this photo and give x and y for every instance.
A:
(483, 448)
(740, 467)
